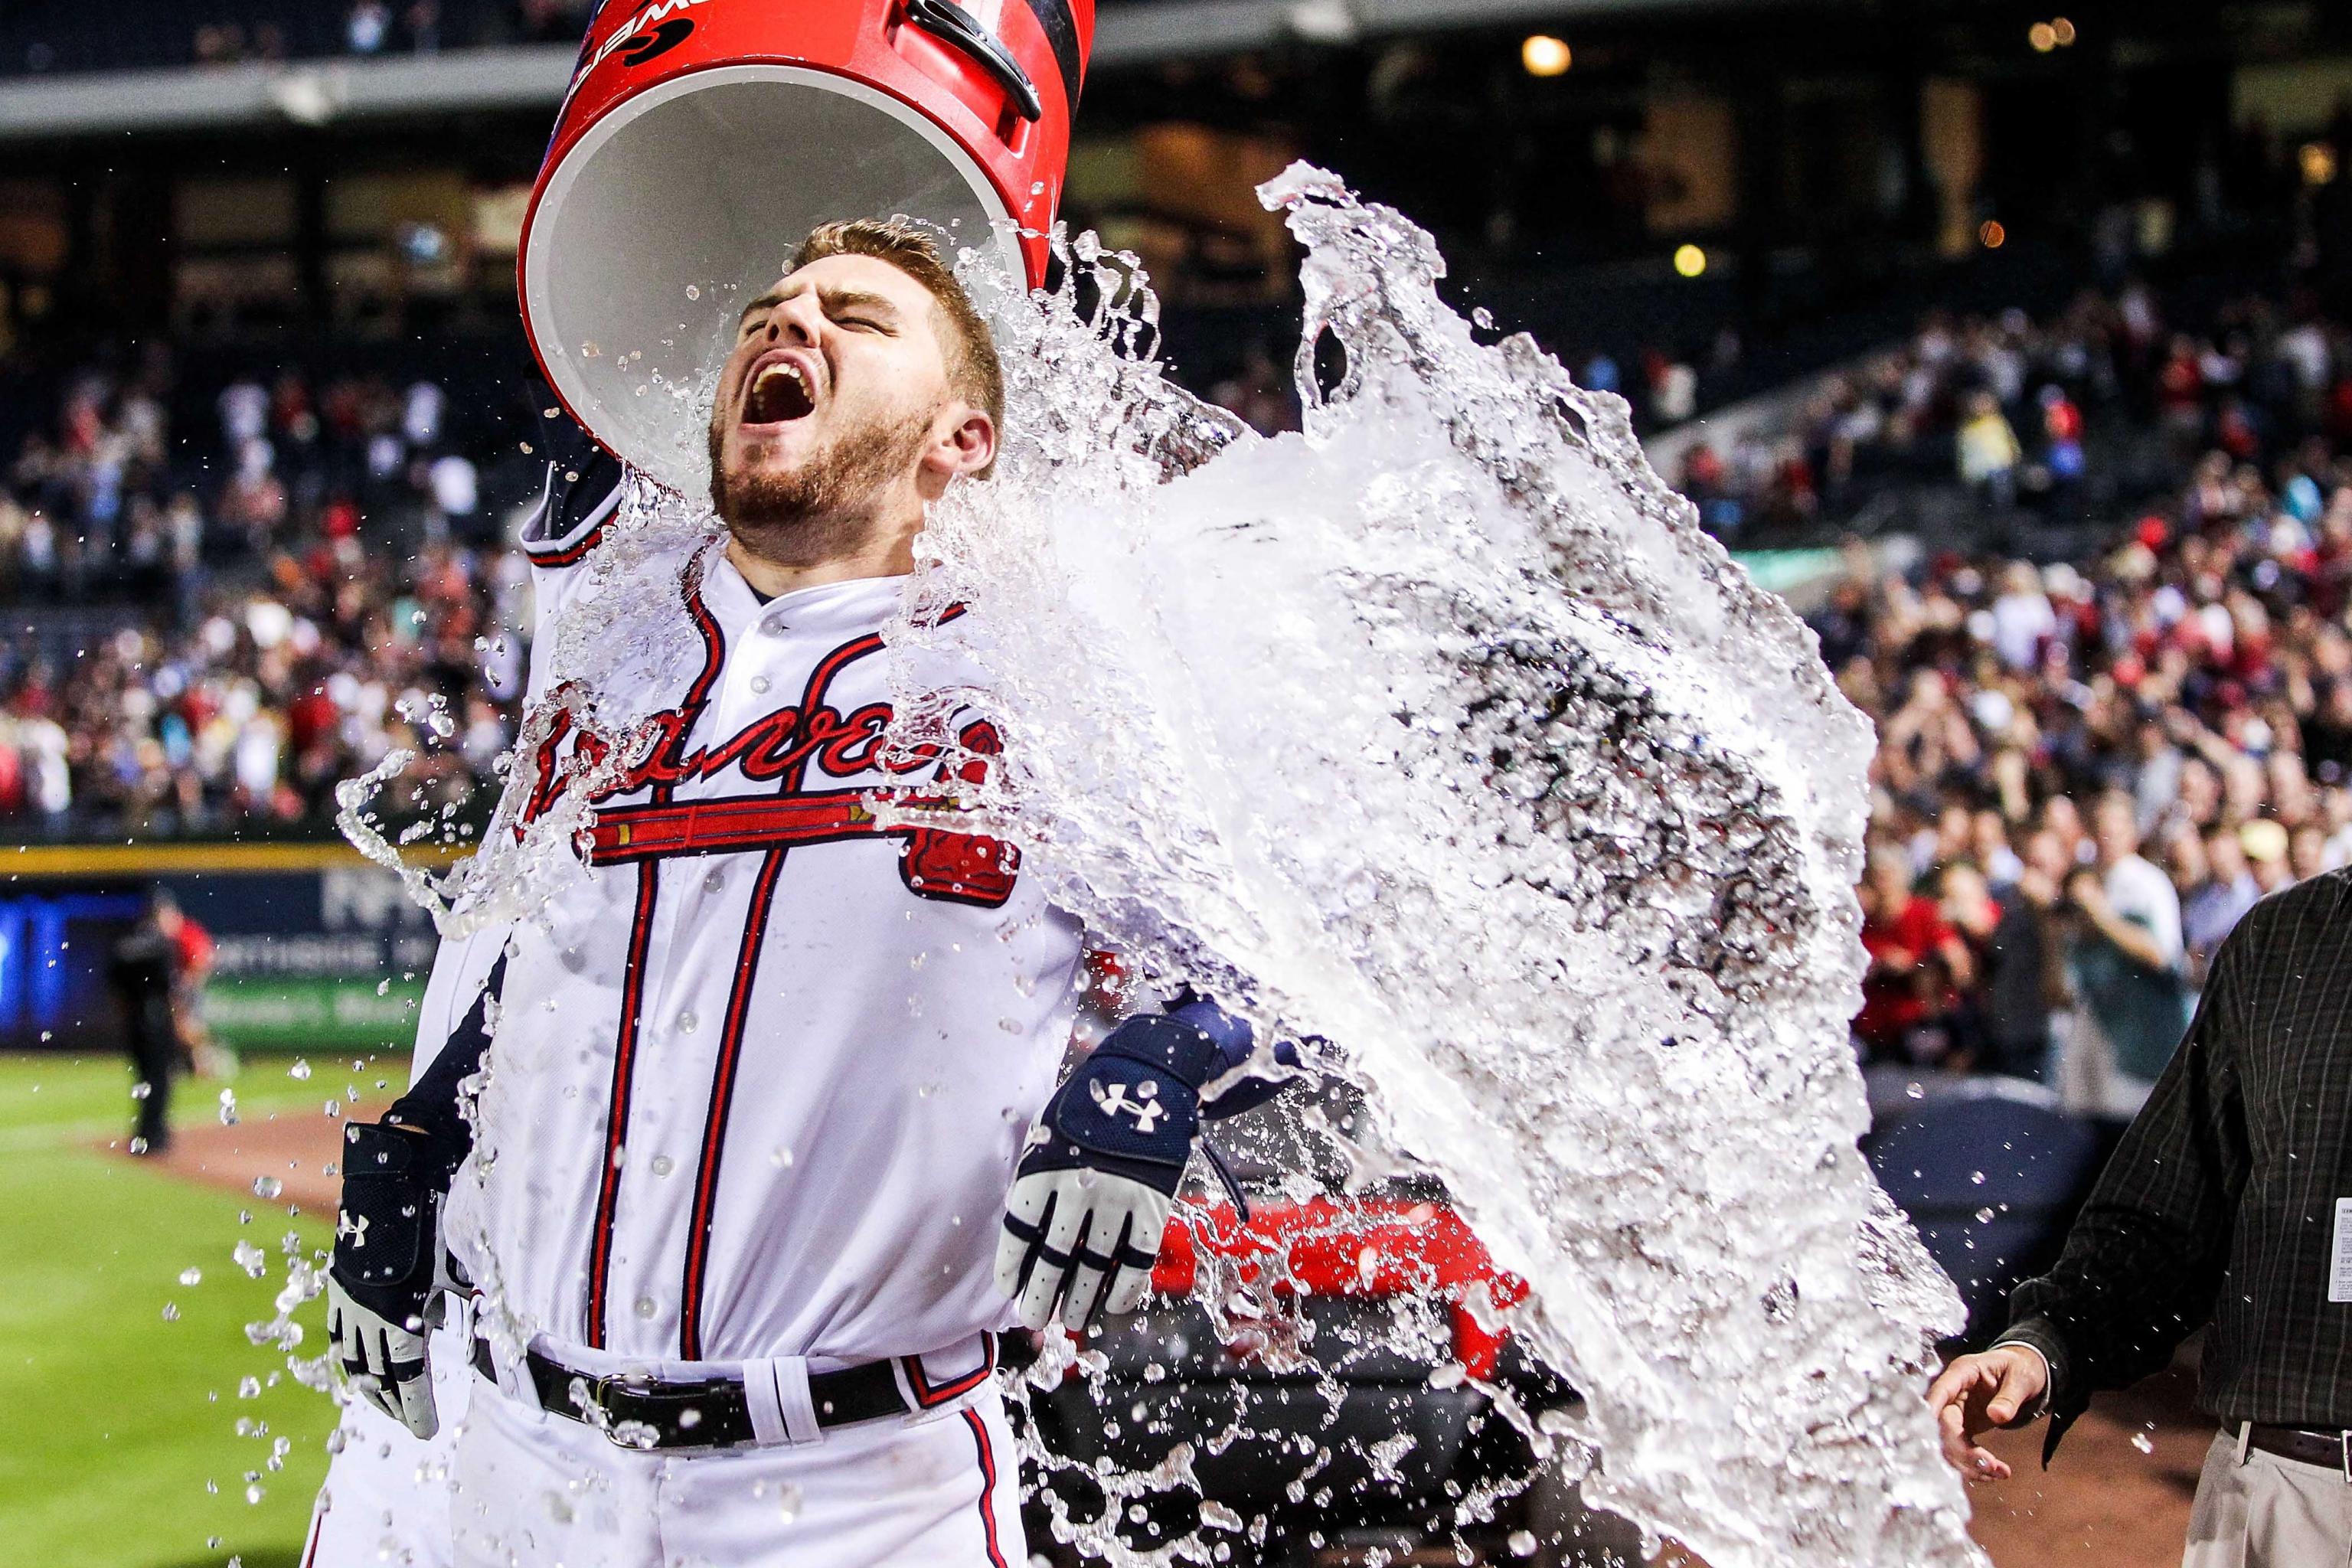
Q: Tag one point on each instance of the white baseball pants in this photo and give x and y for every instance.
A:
(940, 1490)
(386, 1500)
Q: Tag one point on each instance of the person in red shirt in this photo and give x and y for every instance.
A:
(1918, 964)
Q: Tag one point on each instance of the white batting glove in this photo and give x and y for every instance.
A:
(1086, 1236)
(384, 1362)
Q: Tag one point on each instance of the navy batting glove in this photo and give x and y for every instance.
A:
(1097, 1181)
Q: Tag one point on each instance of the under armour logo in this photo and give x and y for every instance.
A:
(1145, 1107)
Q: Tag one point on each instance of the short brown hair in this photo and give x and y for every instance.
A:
(973, 368)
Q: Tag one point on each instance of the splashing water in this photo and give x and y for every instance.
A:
(1439, 731)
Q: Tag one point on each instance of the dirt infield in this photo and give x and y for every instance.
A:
(2106, 1503)
(2105, 1500)
(295, 1148)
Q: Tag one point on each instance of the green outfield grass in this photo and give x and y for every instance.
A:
(119, 1423)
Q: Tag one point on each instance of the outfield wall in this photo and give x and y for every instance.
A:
(316, 949)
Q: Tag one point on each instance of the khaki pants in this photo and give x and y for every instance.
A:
(2263, 1511)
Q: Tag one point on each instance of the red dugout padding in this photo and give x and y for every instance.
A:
(1370, 1246)
(701, 139)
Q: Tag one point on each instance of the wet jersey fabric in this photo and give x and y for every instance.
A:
(763, 1063)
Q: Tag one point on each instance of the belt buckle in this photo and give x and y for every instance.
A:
(600, 1394)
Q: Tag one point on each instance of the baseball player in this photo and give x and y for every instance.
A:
(770, 1142)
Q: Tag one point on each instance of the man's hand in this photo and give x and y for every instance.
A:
(1098, 1180)
(384, 1285)
(1087, 1237)
(384, 1362)
(2000, 1387)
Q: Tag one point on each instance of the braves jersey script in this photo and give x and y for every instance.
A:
(761, 1073)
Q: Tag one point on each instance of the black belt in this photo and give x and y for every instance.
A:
(712, 1413)
(2333, 1449)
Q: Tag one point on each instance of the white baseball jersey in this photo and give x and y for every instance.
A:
(763, 1068)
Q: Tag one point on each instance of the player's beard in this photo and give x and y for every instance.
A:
(823, 505)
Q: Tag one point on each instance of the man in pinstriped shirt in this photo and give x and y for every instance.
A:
(2228, 1208)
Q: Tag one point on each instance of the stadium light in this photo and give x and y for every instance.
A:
(2042, 37)
(1991, 235)
(1689, 260)
(1544, 55)
(2063, 31)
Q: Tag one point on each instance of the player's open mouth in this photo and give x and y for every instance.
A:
(779, 392)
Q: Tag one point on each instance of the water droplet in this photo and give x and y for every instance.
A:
(1984, 1217)
(301, 1070)
(1978, 1177)
(192, 1276)
(2143, 1442)
(267, 1186)
(694, 291)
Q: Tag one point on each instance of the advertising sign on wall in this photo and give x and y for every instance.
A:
(314, 948)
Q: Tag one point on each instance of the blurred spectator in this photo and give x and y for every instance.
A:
(2217, 891)
(1916, 964)
(1988, 451)
(2266, 845)
(2125, 957)
(2014, 943)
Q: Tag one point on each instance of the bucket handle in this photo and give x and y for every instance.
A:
(952, 24)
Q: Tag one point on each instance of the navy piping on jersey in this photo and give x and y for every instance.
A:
(641, 926)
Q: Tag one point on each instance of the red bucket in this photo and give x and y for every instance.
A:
(702, 139)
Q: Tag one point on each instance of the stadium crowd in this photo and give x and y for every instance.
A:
(2087, 772)
(323, 576)
(2011, 406)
